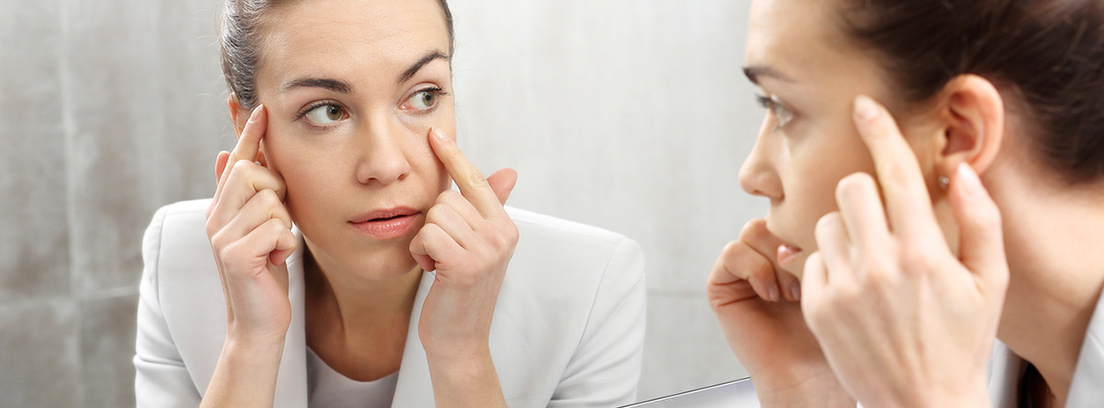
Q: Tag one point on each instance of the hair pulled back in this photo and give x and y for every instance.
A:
(1049, 53)
(240, 42)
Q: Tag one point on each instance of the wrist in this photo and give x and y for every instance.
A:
(813, 389)
(462, 364)
(465, 380)
(253, 352)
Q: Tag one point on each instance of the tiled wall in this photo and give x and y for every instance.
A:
(628, 114)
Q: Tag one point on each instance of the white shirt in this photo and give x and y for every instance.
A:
(327, 388)
(1086, 389)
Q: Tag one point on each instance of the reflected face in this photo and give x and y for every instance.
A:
(353, 88)
(809, 75)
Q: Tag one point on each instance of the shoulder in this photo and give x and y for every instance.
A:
(569, 266)
(556, 235)
(572, 303)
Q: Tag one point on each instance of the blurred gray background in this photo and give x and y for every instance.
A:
(632, 115)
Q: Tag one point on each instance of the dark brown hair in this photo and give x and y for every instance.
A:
(240, 44)
(1048, 53)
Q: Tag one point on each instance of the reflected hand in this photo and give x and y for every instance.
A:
(902, 319)
(764, 325)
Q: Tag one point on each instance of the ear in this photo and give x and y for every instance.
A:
(240, 116)
(974, 124)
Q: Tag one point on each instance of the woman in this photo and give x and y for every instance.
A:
(333, 202)
(993, 205)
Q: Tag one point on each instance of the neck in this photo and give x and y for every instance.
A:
(357, 307)
(1054, 249)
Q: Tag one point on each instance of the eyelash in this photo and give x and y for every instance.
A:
(436, 91)
(316, 105)
(773, 106)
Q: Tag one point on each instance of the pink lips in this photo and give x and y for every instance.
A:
(787, 253)
(386, 224)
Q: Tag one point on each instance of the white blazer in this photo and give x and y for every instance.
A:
(1086, 389)
(568, 327)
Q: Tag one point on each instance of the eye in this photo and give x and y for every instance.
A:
(781, 114)
(423, 100)
(325, 114)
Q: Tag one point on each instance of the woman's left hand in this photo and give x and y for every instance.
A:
(902, 319)
(468, 238)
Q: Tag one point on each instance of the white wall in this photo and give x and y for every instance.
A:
(632, 115)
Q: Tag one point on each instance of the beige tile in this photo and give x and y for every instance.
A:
(34, 249)
(40, 355)
(107, 346)
(147, 110)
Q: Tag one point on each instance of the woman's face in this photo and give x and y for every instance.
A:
(809, 74)
(353, 88)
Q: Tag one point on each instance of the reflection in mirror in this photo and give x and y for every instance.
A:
(622, 115)
(345, 267)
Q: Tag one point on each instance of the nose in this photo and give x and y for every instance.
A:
(758, 174)
(384, 154)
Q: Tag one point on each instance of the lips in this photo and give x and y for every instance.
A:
(787, 253)
(387, 223)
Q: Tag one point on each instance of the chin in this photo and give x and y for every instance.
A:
(390, 262)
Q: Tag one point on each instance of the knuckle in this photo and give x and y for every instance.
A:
(733, 251)
(448, 195)
(475, 177)
(276, 226)
(269, 198)
(917, 258)
(853, 185)
(759, 268)
(436, 212)
(242, 166)
(510, 233)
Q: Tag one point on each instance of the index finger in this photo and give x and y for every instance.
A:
(908, 205)
(249, 142)
(471, 182)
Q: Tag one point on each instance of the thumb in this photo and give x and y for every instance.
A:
(220, 164)
(981, 245)
(502, 183)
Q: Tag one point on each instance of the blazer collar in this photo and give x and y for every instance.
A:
(413, 389)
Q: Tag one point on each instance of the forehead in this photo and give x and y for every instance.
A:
(801, 38)
(345, 37)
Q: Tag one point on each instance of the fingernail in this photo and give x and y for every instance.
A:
(795, 291)
(865, 109)
(969, 179)
(440, 135)
(773, 293)
(256, 111)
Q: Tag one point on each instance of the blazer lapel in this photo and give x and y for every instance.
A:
(414, 388)
(291, 382)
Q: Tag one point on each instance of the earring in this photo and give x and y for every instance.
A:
(944, 182)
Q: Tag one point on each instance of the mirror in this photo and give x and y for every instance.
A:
(633, 116)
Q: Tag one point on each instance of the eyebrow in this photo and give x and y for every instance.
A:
(417, 66)
(755, 72)
(344, 87)
(324, 83)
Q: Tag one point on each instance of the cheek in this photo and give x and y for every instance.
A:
(305, 167)
(817, 171)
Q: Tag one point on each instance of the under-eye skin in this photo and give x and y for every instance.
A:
(323, 114)
(781, 113)
(424, 101)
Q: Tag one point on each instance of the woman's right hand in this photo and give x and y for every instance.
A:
(250, 233)
(760, 315)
